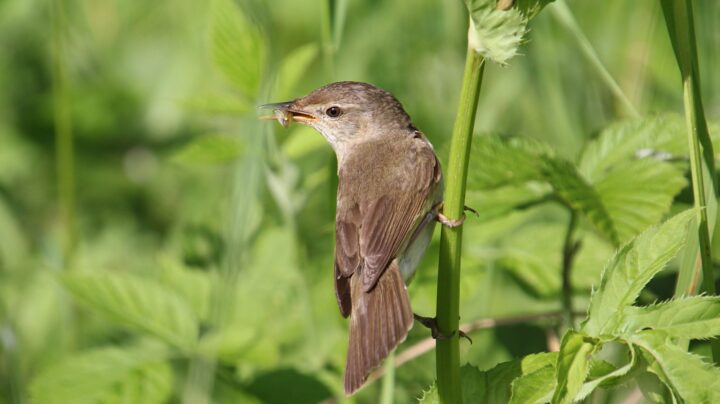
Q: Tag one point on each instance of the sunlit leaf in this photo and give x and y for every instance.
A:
(573, 365)
(602, 373)
(237, 47)
(696, 317)
(692, 379)
(209, 149)
(106, 375)
(638, 194)
(659, 137)
(631, 269)
(137, 303)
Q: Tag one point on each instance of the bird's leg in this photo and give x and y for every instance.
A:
(431, 323)
(449, 222)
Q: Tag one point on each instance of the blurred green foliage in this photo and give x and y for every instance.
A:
(203, 269)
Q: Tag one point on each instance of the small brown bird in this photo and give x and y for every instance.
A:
(389, 196)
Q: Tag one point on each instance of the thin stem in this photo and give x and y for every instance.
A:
(448, 293)
(388, 385)
(65, 158)
(564, 15)
(679, 20)
(570, 248)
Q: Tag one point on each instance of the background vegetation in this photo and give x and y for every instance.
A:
(182, 251)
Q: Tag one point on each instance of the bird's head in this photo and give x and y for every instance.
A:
(345, 112)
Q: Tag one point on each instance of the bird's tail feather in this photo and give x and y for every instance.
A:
(380, 320)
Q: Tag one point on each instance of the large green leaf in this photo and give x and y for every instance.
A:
(638, 194)
(573, 365)
(661, 136)
(579, 195)
(106, 375)
(237, 47)
(602, 373)
(630, 269)
(687, 375)
(503, 162)
(497, 34)
(696, 317)
(138, 303)
(537, 382)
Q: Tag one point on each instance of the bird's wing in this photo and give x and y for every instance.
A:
(370, 231)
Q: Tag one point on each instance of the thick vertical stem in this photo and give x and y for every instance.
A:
(448, 293)
(679, 20)
(63, 134)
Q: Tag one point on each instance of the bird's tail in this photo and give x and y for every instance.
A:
(380, 319)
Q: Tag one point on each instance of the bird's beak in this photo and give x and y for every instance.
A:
(286, 112)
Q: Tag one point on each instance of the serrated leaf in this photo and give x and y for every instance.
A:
(209, 149)
(106, 375)
(696, 317)
(573, 365)
(504, 162)
(292, 69)
(494, 386)
(659, 137)
(630, 269)
(602, 373)
(497, 34)
(534, 387)
(638, 194)
(694, 380)
(579, 195)
(430, 396)
(237, 47)
(137, 303)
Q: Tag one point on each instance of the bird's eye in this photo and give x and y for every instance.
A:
(333, 112)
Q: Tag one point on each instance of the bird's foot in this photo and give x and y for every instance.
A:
(450, 222)
(431, 323)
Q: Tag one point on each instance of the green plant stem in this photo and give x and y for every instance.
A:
(679, 19)
(65, 160)
(388, 383)
(448, 292)
(564, 15)
(570, 247)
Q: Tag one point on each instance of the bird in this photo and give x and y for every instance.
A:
(389, 198)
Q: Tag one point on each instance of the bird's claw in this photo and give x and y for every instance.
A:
(450, 222)
(431, 323)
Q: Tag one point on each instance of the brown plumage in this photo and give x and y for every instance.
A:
(389, 182)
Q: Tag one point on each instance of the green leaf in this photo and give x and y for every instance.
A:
(293, 68)
(430, 396)
(694, 380)
(495, 385)
(209, 149)
(106, 375)
(534, 387)
(573, 365)
(497, 34)
(579, 195)
(504, 162)
(661, 136)
(237, 47)
(696, 317)
(137, 303)
(602, 373)
(638, 194)
(630, 269)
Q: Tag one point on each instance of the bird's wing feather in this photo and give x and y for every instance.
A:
(372, 223)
